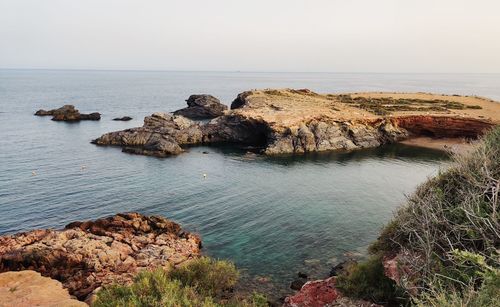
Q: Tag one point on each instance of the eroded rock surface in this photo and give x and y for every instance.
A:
(161, 135)
(202, 106)
(300, 121)
(86, 255)
(68, 113)
(29, 288)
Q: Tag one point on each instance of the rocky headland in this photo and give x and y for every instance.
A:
(87, 255)
(299, 121)
(68, 113)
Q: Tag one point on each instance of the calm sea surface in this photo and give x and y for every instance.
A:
(272, 216)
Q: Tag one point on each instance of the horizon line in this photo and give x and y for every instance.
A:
(245, 71)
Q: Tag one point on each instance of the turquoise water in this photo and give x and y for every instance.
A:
(272, 216)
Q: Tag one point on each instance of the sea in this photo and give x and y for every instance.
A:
(271, 216)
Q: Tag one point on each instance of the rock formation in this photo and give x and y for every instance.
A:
(29, 288)
(202, 106)
(161, 135)
(87, 255)
(68, 113)
(301, 121)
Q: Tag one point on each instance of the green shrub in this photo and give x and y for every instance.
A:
(367, 280)
(467, 295)
(152, 289)
(200, 283)
(208, 276)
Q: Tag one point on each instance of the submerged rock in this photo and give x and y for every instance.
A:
(87, 255)
(202, 106)
(124, 118)
(68, 113)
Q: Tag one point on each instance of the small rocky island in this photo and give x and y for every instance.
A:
(68, 113)
(87, 255)
(291, 121)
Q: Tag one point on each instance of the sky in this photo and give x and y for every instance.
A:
(400, 36)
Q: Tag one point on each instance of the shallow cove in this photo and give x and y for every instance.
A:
(272, 216)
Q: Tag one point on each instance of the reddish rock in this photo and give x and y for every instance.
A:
(316, 293)
(86, 255)
(443, 126)
(402, 267)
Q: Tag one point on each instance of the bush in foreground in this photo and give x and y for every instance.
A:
(200, 283)
(367, 281)
(449, 232)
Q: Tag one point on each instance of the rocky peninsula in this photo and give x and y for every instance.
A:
(87, 255)
(288, 121)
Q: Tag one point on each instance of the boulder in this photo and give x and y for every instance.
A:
(29, 288)
(87, 255)
(322, 293)
(316, 293)
(68, 113)
(202, 106)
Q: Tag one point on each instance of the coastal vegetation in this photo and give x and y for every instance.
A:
(444, 241)
(202, 282)
(387, 105)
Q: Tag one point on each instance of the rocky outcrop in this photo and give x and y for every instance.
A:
(202, 106)
(301, 121)
(123, 118)
(87, 255)
(68, 113)
(29, 288)
(161, 135)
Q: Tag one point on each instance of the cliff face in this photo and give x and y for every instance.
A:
(442, 127)
(300, 121)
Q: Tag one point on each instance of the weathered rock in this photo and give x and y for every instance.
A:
(123, 118)
(161, 135)
(68, 113)
(202, 106)
(29, 288)
(322, 293)
(87, 255)
(316, 293)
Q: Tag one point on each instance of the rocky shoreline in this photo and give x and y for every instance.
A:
(87, 255)
(301, 121)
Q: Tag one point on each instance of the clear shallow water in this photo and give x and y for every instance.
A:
(272, 216)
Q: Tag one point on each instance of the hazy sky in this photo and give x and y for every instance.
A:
(252, 35)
